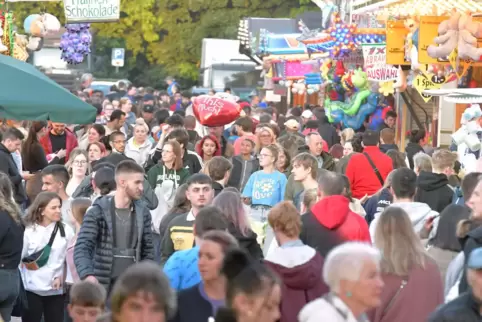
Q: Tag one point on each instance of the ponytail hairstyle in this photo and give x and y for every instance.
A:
(244, 275)
(104, 180)
(417, 135)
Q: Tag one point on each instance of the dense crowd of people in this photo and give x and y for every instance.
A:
(146, 215)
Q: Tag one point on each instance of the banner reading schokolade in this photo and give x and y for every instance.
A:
(87, 11)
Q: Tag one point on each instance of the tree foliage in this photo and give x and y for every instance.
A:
(166, 33)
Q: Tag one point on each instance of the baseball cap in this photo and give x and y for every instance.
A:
(148, 109)
(292, 124)
(475, 259)
(307, 114)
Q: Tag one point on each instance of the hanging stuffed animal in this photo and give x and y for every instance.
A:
(448, 38)
(412, 25)
(466, 138)
(468, 30)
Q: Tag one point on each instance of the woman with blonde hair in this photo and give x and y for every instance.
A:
(408, 272)
(346, 135)
(264, 189)
(139, 146)
(265, 135)
(78, 167)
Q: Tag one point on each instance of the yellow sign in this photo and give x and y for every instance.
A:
(459, 66)
(423, 82)
(396, 37)
(427, 33)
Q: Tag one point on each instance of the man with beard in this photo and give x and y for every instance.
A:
(116, 231)
(59, 138)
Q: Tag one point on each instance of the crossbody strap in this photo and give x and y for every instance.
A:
(394, 298)
(374, 167)
(330, 299)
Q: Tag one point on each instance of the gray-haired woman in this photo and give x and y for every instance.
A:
(352, 271)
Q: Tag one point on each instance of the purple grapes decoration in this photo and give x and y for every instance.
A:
(75, 43)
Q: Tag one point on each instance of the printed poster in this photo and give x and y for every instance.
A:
(396, 38)
(376, 67)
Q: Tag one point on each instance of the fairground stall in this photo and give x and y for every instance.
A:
(384, 55)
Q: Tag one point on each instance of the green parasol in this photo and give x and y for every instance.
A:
(28, 94)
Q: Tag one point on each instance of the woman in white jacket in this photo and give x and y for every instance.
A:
(352, 271)
(139, 146)
(42, 266)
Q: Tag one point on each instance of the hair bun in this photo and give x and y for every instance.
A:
(235, 262)
(140, 121)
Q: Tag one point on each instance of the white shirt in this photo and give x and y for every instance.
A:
(35, 238)
(140, 153)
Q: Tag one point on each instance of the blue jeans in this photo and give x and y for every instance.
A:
(9, 290)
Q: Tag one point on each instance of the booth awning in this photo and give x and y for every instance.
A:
(413, 7)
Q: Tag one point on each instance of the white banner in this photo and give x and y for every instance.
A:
(375, 63)
(85, 11)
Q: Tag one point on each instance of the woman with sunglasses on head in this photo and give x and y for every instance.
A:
(43, 259)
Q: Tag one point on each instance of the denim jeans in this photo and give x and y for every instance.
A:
(258, 218)
(9, 290)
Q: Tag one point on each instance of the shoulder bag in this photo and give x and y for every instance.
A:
(39, 259)
(374, 167)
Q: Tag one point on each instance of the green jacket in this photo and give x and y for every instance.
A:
(158, 173)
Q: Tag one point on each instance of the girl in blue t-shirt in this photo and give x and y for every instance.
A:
(264, 189)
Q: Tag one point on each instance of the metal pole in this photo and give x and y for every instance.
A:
(117, 69)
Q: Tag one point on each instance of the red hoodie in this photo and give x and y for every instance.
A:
(330, 223)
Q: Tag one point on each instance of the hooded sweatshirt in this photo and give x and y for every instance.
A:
(377, 203)
(417, 212)
(300, 269)
(434, 190)
(330, 222)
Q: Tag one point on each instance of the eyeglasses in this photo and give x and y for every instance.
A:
(83, 162)
(265, 155)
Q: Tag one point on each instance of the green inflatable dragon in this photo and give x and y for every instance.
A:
(352, 105)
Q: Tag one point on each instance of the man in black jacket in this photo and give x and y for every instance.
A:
(467, 306)
(116, 231)
(433, 187)
(11, 142)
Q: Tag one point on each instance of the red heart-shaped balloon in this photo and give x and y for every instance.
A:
(214, 111)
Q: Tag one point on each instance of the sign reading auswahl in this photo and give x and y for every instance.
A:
(91, 10)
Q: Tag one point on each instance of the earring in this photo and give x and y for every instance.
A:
(348, 294)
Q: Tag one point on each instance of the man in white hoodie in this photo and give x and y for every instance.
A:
(403, 189)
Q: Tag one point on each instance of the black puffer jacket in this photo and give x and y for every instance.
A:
(463, 308)
(93, 253)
